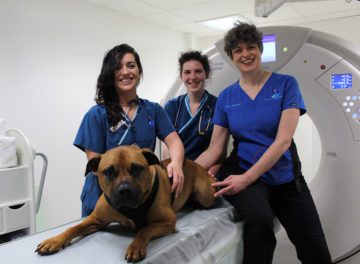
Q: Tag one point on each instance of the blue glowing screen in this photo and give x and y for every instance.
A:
(269, 52)
(341, 81)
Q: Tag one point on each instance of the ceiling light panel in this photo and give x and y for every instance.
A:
(223, 23)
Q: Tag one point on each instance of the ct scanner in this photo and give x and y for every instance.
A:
(328, 71)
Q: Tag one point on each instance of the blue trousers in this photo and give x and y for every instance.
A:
(90, 194)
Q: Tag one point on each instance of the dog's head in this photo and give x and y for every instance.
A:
(124, 174)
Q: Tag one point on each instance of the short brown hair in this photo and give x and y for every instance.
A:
(242, 32)
(197, 56)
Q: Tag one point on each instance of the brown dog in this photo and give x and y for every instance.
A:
(136, 194)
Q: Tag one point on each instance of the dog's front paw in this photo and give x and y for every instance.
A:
(50, 246)
(135, 252)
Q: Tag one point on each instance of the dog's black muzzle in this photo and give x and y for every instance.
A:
(126, 194)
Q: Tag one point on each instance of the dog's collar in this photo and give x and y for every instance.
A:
(138, 215)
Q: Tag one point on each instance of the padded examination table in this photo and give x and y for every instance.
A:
(202, 236)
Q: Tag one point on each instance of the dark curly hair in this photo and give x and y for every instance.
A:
(242, 32)
(105, 88)
(197, 56)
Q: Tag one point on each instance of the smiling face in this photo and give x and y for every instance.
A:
(246, 57)
(127, 75)
(193, 75)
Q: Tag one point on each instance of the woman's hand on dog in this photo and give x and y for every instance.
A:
(175, 171)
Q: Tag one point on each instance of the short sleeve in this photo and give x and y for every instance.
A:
(163, 124)
(292, 96)
(92, 131)
(220, 117)
(170, 109)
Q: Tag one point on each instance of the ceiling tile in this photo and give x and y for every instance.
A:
(334, 15)
(181, 15)
(209, 10)
(133, 8)
(173, 4)
(170, 19)
(322, 7)
(285, 22)
(195, 28)
(101, 2)
(238, 6)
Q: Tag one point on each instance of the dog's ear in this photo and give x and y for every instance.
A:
(92, 165)
(150, 156)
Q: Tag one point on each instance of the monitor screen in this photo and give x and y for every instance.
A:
(341, 81)
(269, 53)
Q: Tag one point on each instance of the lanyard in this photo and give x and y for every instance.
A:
(129, 124)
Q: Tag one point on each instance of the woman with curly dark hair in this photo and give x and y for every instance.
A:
(261, 110)
(120, 117)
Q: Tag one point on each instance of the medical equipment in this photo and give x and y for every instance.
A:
(202, 132)
(18, 206)
(328, 71)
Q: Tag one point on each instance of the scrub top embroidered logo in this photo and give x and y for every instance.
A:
(234, 105)
(151, 122)
(276, 95)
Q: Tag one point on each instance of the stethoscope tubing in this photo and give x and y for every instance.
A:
(200, 111)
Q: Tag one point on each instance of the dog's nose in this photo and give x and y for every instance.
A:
(126, 194)
(125, 191)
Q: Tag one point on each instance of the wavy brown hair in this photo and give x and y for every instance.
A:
(105, 88)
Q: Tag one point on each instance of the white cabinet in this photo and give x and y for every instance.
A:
(17, 202)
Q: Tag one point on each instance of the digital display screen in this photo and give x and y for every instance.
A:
(341, 81)
(269, 52)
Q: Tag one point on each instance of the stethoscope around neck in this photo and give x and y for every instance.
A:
(200, 132)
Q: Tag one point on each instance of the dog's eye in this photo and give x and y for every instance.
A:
(136, 169)
(110, 173)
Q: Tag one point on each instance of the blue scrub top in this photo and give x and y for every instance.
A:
(254, 123)
(195, 131)
(150, 121)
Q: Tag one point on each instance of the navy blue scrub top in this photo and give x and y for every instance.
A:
(150, 121)
(195, 131)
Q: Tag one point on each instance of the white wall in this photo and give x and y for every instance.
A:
(50, 56)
